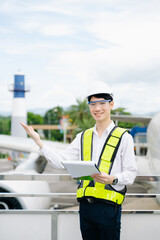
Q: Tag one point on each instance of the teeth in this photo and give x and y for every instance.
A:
(98, 114)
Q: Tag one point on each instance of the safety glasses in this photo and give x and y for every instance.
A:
(100, 103)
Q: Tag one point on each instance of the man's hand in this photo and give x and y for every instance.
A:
(103, 178)
(34, 135)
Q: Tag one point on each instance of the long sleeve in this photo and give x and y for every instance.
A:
(70, 154)
(124, 167)
(128, 164)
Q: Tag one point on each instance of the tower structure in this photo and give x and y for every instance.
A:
(19, 112)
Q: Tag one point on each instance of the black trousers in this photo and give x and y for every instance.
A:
(99, 221)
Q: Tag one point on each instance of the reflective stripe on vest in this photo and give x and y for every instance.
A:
(94, 189)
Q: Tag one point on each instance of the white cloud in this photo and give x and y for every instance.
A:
(57, 30)
(5, 30)
(54, 29)
(65, 45)
(64, 7)
(139, 97)
(135, 41)
(5, 99)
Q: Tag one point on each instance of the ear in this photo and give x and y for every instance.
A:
(111, 105)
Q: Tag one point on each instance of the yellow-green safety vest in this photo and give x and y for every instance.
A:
(91, 189)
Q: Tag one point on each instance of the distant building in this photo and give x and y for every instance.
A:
(139, 135)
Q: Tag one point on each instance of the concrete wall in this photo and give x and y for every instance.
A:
(60, 225)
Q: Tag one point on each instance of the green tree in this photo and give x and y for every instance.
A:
(53, 117)
(122, 111)
(34, 118)
(5, 125)
(80, 116)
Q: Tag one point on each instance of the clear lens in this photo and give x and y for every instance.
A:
(100, 103)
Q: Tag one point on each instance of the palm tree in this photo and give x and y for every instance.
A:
(80, 115)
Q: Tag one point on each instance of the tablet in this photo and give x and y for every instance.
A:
(81, 170)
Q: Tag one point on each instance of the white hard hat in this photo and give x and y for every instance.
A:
(99, 88)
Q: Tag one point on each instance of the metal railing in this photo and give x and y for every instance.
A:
(58, 224)
(66, 177)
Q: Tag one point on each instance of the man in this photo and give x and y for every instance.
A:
(111, 148)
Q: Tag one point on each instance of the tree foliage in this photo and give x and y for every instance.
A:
(80, 116)
(34, 118)
(122, 111)
(53, 117)
(5, 125)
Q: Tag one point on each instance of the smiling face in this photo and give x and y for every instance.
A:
(100, 109)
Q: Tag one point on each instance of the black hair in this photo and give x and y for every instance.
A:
(101, 95)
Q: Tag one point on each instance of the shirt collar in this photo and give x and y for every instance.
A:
(107, 130)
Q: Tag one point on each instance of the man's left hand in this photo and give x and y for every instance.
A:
(103, 178)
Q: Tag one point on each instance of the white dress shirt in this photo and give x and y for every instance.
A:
(124, 166)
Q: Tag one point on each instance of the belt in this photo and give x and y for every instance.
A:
(90, 200)
(95, 200)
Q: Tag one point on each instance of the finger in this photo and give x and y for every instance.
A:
(97, 179)
(99, 176)
(26, 128)
(31, 128)
(95, 174)
(23, 125)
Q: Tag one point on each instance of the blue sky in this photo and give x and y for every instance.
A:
(62, 46)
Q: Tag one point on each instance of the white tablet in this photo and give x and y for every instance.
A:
(81, 169)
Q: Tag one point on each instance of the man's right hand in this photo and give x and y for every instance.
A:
(33, 134)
